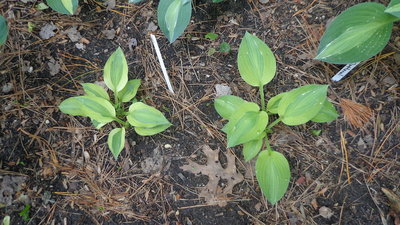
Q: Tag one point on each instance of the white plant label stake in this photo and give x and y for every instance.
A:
(160, 59)
(344, 71)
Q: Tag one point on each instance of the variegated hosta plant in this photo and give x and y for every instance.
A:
(101, 109)
(249, 125)
(358, 33)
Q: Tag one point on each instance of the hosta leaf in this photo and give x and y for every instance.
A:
(252, 148)
(256, 61)
(143, 131)
(237, 115)
(64, 6)
(327, 113)
(116, 71)
(97, 124)
(144, 116)
(273, 175)
(394, 8)
(92, 89)
(173, 17)
(302, 104)
(248, 128)
(3, 30)
(356, 34)
(227, 105)
(273, 103)
(93, 107)
(73, 107)
(116, 141)
(129, 91)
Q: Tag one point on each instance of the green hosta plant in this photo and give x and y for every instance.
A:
(99, 107)
(173, 17)
(3, 30)
(358, 33)
(67, 7)
(249, 124)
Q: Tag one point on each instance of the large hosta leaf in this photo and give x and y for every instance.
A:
(3, 30)
(300, 105)
(173, 17)
(273, 175)
(248, 128)
(256, 62)
(144, 116)
(96, 108)
(116, 71)
(227, 105)
(116, 141)
(64, 6)
(356, 34)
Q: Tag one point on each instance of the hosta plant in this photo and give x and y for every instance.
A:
(173, 17)
(249, 124)
(358, 33)
(3, 30)
(102, 109)
(67, 7)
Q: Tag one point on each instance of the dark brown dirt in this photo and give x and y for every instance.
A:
(146, 184)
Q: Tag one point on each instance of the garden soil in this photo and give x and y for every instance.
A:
(58, 167)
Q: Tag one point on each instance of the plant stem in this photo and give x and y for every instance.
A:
(125, 124)
(269, 149)
(271, 125)
(262, 98)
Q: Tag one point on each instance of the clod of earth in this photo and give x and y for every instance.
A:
(9, 186)
(213, 193)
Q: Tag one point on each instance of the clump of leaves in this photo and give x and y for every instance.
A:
(98, 106)
(358, 33)
(249, 124)
(67, 7)
(3, 30)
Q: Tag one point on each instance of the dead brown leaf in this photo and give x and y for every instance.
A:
(354, 113)
(213, 193)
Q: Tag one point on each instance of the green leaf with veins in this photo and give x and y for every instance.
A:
(273, 175)
(116, 71)
(116, 141)
(92, 89)
(248, 128)
(144, 116)
(357, 34)
(227, 105)
(327, 113)
(302, 104)
(129, 91)
(252, 148)
(256, 62)
(238, 114)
